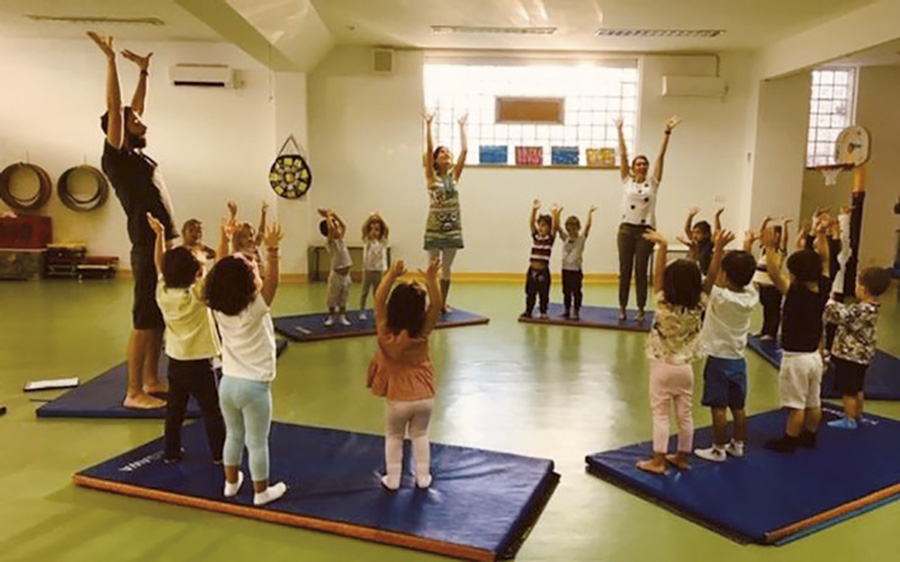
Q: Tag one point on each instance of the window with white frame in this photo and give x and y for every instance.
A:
(831, 108)
(590, 97)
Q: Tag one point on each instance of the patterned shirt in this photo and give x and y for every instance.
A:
(541, 247)
(639, 201)
(855, 336)
(444, 226)
(675, 335)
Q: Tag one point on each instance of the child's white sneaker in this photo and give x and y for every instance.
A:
(714, 454)
(735, 448)
(363, 316)
(270, 494)
(329, 322)
(231, 490)
(344, 320)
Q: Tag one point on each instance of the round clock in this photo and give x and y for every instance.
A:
(852, 146)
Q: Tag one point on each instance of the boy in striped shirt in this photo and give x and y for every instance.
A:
(537, 282)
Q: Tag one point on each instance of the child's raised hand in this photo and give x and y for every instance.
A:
(769, 238)
(229, 226)
(672, 122)
(592, 209)
(155, 224)
(719, 212)
(431, 272)
(806, 225)
(619, 122)
(723, 238)
(463, 120)
(273, 236)
(265, 207)
(232, 208)
(655, 236)
(397, 269)
(750, 237)
(692, 211)
(428, 116)
(536, 205)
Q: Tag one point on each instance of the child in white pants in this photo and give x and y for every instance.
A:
(402, 371)
(673, 344)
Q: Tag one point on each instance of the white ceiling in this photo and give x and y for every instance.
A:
(887, 54)
(748, 23)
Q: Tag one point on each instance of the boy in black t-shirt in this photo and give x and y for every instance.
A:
(800, 375)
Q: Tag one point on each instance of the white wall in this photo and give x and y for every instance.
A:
(366, 140)
(876, 110)
(212, 145)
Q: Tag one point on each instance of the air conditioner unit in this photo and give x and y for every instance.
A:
(694, 86)
(203, 75)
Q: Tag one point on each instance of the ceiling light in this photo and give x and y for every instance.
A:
(661, 33)
(94, 20)
(445, 29)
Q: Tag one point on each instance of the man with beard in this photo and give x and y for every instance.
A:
(139, 187)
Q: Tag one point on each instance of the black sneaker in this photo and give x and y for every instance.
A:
(807, 439)
(525, 315)
(783, 444)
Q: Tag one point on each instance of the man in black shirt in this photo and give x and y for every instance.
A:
(139, 187)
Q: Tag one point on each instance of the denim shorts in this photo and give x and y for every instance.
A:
(725, 383)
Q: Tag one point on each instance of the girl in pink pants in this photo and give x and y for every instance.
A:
(673, 344)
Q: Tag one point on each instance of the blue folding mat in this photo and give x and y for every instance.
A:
(101, 397)
(882, 378)
(592, 317)
(768, 497)
(311, 327)
(481, 504)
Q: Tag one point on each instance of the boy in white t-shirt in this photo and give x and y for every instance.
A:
(724, 338)
(191, 345)
(573, 250)
(333, 228)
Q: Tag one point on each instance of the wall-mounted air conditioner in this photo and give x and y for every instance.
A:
(694, 86)
(202, 75)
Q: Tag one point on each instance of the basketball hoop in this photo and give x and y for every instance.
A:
(831, 171)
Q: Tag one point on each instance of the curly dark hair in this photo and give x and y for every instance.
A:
(406, 308)
(230, 286)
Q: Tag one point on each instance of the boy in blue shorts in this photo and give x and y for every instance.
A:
(724, 338)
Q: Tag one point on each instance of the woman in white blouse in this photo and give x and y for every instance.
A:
(638, 216)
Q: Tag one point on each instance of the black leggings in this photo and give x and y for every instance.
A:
(537, 284)
(198, 379)
(572, 281)
(634, 252)
(770, 298)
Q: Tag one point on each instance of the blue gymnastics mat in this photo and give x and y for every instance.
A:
(311, 327)
(592, 317)
(882, 379)
(101, 397)
(481, 504)
(768, 497)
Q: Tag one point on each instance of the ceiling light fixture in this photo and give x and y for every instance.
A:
(94, 20)
(446, 29)
(660, 33)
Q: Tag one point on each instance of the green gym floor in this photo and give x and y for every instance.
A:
(544, 391)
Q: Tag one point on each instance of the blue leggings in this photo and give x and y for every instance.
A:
(247, 409)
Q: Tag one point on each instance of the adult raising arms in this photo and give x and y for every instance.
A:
(638, 216)
(443, 231)
(138, 185)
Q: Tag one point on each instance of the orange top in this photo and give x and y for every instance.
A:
(402, 368)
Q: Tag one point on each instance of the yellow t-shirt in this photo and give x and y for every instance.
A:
(190, 330)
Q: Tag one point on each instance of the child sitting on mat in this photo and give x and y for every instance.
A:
(800, 375)
(333, 228)
(699, 239)
(573, 249)
(673, 344)
(724, 338)
(240, 302)
(402, 371)
(374, 235)
(537, 282)
(191, 345)
(854, 343)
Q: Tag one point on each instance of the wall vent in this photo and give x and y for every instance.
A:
(383, 61)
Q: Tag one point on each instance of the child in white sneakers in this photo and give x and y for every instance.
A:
(724, 338)
(333, 228)
(572, 252)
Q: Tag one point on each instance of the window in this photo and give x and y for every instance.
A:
(831, 108)
(590, 97)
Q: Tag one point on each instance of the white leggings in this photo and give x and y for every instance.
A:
(397, 417)
(447, 256)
